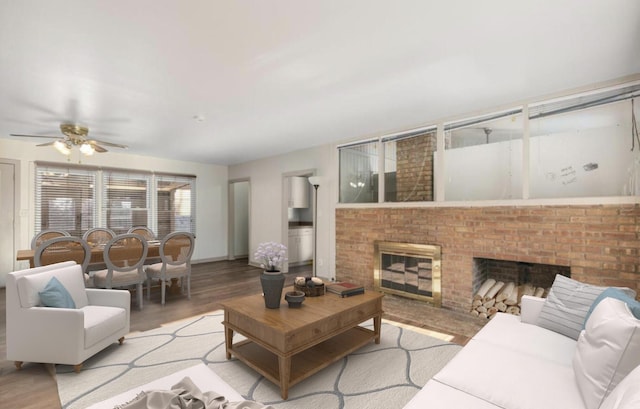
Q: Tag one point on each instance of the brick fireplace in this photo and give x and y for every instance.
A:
(599, 244)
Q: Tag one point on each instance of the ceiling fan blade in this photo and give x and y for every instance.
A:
(97, 147)
(48, 143)
(35, 136)
(114, 145)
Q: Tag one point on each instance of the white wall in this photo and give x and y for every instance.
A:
(211, 190)
(268, 210)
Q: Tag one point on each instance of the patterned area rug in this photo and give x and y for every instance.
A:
(387, 375)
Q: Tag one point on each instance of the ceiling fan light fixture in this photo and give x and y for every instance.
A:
(87, 149)
(62, 147)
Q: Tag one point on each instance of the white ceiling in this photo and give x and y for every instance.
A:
(270, 77)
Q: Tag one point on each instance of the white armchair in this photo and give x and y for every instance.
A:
(61, 335)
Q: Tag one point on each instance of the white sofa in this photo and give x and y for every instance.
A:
(512, 363)
(36, 333)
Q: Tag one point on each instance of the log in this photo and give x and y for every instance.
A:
(476, 303)
(513, 310)
(492, 311)
(493, 291)
(538, 292)
(474, 312)
(489, 303)
(546, 292)
(482, 291)
(506, 291)
(502, 307)
(513, 298)
(527, 289)
(483, 315)
(481, 309)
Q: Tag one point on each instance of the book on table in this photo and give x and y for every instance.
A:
(345, 289)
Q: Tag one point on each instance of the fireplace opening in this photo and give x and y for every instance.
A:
(410, 270)
(498, 285)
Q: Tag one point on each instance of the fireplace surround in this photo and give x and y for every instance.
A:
(600, 244)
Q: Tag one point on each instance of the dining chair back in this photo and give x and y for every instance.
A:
(64, 248)
(176, 250)
(47, 234)
(144, 231)
(124, 256)
(98, 236)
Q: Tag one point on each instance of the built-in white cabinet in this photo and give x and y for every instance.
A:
(298, 192)
(300, 245)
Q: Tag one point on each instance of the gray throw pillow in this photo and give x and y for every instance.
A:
(567, 305)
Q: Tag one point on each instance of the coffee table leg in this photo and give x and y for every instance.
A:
(377, 323)
(285, 373)
(228, 340)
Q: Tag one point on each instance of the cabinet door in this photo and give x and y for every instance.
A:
(306, 245)
(298, 192)
(294, 248)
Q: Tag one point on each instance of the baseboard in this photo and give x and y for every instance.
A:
(208, 260)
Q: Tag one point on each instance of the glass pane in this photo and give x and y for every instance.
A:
(359, 173)
(585, 153)
(64, 200)
(408, 168)
(175, 205)
(126, 201)
(483, 161)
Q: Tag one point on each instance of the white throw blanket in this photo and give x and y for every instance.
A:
(186, 395)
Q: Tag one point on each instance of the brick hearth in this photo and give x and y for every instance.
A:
(600, 244)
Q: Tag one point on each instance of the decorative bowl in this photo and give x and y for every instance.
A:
(294, 298)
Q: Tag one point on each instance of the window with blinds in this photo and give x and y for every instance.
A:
(175, 204)
(125, 200)
(78, 198)
(65, 199)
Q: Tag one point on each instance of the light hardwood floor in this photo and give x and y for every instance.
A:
(34, 386)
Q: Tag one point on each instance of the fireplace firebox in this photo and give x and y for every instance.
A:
(409, 270)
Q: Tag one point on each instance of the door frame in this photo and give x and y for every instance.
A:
(16, 207)
(231, 217)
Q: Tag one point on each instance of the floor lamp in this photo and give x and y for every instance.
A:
(315, 182)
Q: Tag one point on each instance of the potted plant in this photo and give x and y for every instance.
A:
(271, 257)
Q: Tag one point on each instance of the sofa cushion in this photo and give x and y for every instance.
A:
(626, 395)
(506, 331)
(616, 293)
(436, 395)
(607, 350)
(567, 305)
(511, 379)
(71, 277)
(101, 321)
(55, 295)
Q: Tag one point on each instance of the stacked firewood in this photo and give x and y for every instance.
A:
(497, 296)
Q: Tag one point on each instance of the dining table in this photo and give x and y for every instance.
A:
(97, 257)
(97, 254)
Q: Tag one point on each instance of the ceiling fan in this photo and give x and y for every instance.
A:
(75, 135)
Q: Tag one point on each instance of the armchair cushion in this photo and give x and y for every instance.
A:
(100, 322)
(29, 286)
(55, 295)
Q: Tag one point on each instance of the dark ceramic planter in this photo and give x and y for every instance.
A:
(272, 284)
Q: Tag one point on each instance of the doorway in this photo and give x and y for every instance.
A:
(239, 194)
(8, 206)
(297, 221)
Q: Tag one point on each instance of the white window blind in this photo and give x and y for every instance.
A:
(175, 204)
(125, 200)
(64, 199)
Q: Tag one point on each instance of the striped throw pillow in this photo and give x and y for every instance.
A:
(567, 305)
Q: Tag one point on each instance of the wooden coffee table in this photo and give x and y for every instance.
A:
(287, 345)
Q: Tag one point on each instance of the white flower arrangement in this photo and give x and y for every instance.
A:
(271, 255)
